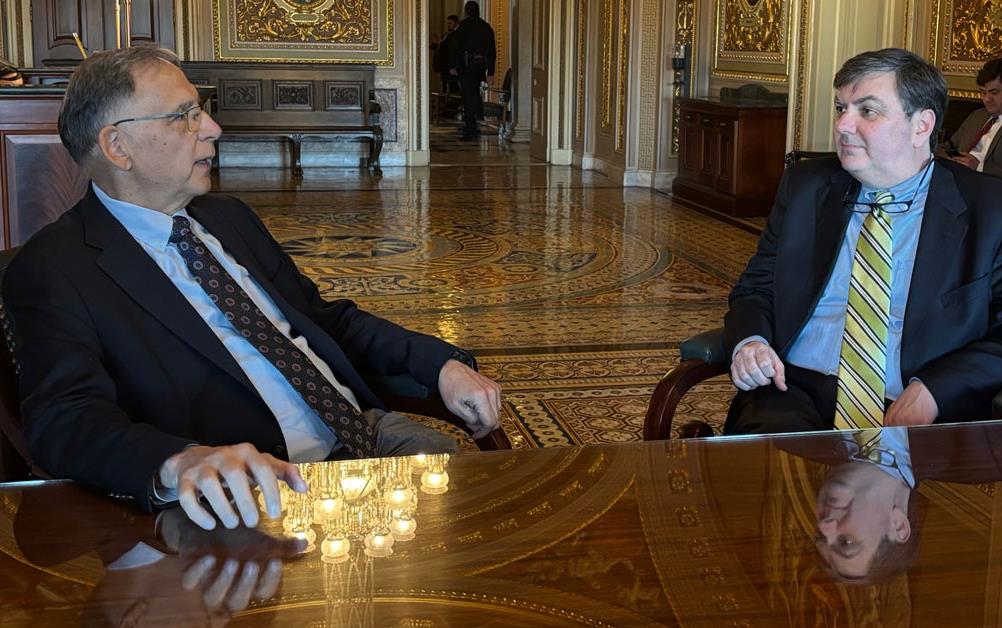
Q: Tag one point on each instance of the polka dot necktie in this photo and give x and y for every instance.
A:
(338, 413)
(859, 400)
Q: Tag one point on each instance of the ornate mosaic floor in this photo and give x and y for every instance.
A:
(573, 293)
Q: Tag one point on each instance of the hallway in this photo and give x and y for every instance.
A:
(572, 293)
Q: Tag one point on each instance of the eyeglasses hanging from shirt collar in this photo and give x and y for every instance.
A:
(892, 208)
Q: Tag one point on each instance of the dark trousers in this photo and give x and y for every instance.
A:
(469, 85)
(807, 405)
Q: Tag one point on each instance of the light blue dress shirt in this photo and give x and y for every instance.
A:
(307, 437)
(820, 341)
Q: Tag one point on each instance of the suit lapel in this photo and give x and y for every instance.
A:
(831, 223)
(128, 265)
(944, 226)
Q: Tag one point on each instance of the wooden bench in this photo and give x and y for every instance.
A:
(294, 103)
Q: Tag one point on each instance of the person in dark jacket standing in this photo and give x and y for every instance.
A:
(471, 55)
(441, 60)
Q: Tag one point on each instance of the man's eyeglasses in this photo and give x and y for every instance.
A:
(192, 117)
(867, 452)
(894, 207)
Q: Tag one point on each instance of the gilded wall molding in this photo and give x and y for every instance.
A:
(752, 40)
(803, 54)
(623, 52)
(649, 58)
(579, 103)
(304, 31)
(418, 97)
(502, 11)
(608, 32)
(964, 34)
(685, 25)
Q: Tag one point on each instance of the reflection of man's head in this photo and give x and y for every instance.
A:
(864, 522)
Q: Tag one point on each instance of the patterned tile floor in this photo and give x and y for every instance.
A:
(572, 292)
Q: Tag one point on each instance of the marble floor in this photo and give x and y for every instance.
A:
(572, 292)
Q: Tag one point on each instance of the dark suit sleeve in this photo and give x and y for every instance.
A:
(751, 301)
(69, 400)
(371, 343)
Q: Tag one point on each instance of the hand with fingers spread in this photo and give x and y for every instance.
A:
(218, 474)
(470, 396)
(757, 364)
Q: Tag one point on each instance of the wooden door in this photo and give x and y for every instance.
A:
(54, 22)
(538, 148)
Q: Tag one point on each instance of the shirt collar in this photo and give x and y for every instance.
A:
(907, 189)
(147, 226)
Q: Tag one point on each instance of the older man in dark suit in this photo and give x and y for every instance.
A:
(875, 295)
(169, 349)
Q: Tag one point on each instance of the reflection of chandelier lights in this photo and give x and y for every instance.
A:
(369, 502)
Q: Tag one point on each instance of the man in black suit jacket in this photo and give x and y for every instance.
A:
(132, 377)
(788, 310)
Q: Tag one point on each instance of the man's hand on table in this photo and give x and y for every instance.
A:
(757, 364)
(210, 472)
(470, 396)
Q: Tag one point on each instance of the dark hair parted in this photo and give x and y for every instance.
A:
(471, 9)
(102, 82)
(989, 72)
(920, 84)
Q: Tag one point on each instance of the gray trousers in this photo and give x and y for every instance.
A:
(396, 435)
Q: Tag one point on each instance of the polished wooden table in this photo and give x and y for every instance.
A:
(722, 532)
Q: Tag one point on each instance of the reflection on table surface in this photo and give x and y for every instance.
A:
(895, 528)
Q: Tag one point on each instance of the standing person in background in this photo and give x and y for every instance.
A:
(440, 62)
(472, 55)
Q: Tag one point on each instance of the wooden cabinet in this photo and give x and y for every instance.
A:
(730, 155)
(54, 22)
(38, 179)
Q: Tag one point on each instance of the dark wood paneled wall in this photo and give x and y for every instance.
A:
(55, 21)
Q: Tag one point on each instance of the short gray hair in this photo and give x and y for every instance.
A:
(101, 83)
(920, 84)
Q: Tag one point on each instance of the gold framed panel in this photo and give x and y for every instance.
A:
(751, 40)
(965, 34)
(304, 31)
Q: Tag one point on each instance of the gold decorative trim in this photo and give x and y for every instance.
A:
(802, 57)
(322, 50)
(609, 31)
(752, 76)
(624, 57)
(582, 68)
(419, 101)
(906, 30)
(964, 34)
(501, 30)
(649, 59)
(685, 21)
(970, 94)
(764, 52)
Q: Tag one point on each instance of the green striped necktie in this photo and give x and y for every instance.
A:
(859, 402)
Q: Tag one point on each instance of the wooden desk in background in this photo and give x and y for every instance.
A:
(718, 532)
(38, 179)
